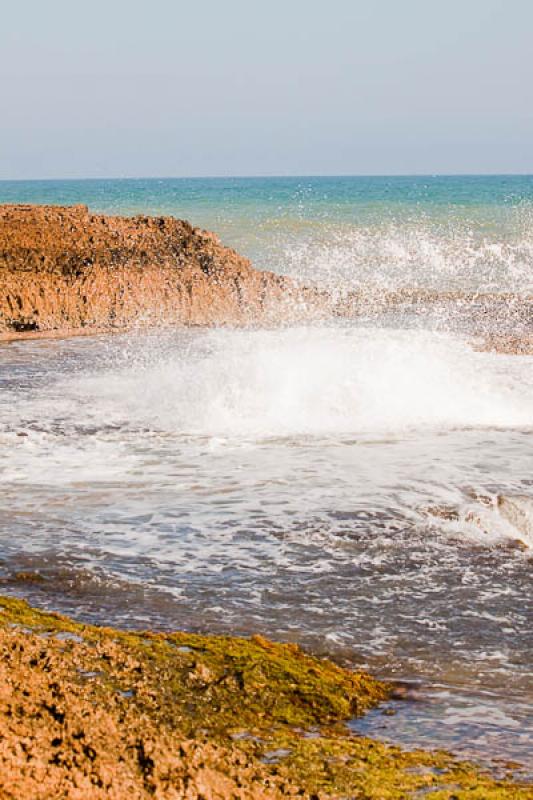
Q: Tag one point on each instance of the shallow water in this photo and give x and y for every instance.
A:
(332, 485)
(280, 481)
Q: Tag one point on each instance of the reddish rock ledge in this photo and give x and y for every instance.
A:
(92, 713)
(66, 270)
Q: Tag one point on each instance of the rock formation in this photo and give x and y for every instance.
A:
(65, 270)
(518, 510)
(92, 713)
(68, 270)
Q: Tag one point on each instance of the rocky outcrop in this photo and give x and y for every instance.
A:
(65, 269)
(92, 713)
(518, 510)
(508, 344)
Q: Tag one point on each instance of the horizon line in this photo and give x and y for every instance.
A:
(273, 176)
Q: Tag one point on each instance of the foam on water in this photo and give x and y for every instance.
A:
(318, 382)
(335, 486)
(416, 252)
(279, 481)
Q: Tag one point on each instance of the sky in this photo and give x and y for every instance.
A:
(166, 88)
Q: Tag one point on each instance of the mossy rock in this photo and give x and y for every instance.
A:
(264, 719)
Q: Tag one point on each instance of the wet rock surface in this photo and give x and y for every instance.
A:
(64, 269)
(518, 510)
(67, 271)
(90, 712)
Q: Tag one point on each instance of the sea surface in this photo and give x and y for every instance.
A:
(333, 485)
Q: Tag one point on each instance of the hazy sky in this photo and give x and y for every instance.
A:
(242, 87)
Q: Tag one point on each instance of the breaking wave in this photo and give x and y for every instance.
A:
(308, 381)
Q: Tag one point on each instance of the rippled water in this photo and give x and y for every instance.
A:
(332, 485)
(280, 481)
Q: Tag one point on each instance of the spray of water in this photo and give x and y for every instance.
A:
(456, 254)
(313, 381)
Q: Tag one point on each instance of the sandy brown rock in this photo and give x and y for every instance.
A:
(65, 269)
(517, 345)
(61, 737)
(88, 713)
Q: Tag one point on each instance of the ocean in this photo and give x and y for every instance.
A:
(464, 232)
(331, 484)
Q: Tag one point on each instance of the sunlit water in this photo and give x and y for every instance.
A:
(291, 481)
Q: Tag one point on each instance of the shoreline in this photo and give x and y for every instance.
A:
(69, 333)
(91, 711)
(122, 714)
(498, 344)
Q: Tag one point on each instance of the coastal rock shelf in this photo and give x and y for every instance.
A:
(89, 712)
(65, 269)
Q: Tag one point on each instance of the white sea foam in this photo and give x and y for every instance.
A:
(316, 381)
(282, 481)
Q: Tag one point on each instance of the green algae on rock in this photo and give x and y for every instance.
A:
(96, 712)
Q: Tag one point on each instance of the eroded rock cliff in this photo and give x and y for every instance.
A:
(66, 269)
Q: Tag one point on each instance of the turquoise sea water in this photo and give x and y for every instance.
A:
(334, 485)
(463, 231)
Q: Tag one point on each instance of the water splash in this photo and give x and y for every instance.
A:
(457, 254)
(315, 381)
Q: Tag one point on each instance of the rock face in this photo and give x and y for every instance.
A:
(518, 510)
(92, 713)
(65, 269)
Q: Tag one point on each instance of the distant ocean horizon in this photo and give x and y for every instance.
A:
(274, 176)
